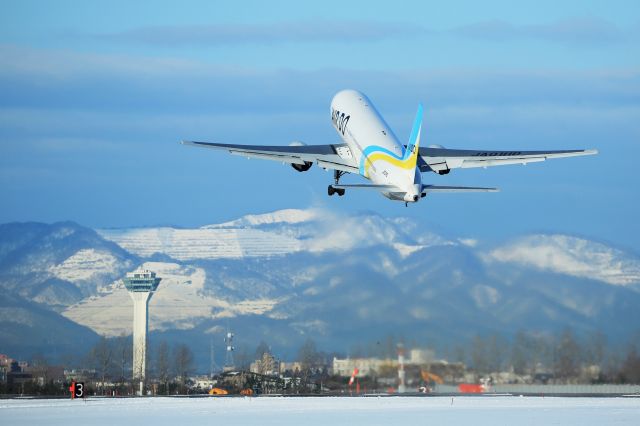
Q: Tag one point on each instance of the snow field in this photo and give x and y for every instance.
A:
(499, 410)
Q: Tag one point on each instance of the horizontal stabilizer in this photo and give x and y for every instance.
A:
(368, 186)
(436, 188)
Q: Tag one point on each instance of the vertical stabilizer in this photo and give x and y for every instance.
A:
(411, 152)
(414, 139)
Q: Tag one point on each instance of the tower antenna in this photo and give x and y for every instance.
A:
(229, 364)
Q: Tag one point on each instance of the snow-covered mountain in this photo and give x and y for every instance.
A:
(285, 275)
(286, 216)
(290, 231)
(58, 264)
(272, 234)
(212, 243)
(570, 255)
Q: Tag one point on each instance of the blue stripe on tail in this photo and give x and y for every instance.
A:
(417, 123)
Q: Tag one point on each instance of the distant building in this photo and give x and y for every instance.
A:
(5, 364)
(204, 382)
(16, 377)
(293, 367)
(46, 374)
(419, 360)
(15, 374)
(267, 366)
(420, 356)
(5, 361)
(365, 366)
(80, 375)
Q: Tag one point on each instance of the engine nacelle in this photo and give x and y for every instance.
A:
(302, 167)
(307, 164)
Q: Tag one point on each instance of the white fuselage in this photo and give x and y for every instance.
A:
(374, 146)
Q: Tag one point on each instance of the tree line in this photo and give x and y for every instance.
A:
(169, 367)
(565, 357)
(561, 358)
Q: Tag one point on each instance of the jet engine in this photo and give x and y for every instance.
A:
(301, 167)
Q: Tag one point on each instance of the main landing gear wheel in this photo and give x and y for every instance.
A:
(331, 190)
(337, 174)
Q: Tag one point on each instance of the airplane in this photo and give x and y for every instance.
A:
(371, 149)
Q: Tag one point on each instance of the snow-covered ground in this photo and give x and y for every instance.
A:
(323, 411)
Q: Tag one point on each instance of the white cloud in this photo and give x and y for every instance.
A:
(591, 31)
(469, 242)
(315, 31)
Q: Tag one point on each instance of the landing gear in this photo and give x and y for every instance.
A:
(331, 190)
(337, 174)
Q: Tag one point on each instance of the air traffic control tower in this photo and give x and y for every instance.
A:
(141, 285)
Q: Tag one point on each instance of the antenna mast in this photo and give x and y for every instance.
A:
(229, 363)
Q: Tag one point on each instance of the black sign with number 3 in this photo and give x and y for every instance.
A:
(78, 391)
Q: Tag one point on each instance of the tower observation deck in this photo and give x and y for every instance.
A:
(141, 284)
(141, 281)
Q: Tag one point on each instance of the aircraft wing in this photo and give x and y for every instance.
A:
(335, 157)
(442, 160)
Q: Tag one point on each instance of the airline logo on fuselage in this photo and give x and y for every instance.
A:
(340, 120)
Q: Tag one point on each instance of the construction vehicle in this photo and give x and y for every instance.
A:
(218, 391)
(430, 377)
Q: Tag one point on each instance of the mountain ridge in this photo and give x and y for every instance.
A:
(338, 278)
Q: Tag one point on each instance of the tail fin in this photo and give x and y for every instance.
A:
(414, 139)
(412, 151)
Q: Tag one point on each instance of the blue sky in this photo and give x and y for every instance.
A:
(96, 96)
